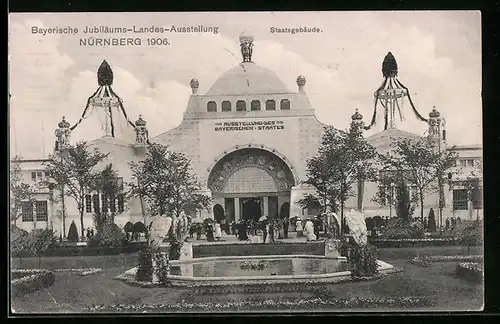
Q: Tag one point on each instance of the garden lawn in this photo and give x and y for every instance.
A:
(73, 293)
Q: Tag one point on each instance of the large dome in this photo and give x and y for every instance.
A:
(248, 78)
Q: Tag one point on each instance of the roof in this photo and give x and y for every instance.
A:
(248, 78)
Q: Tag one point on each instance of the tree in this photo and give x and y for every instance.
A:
(343, 159)
(431, 225)
(318, 177)
(309, 201)
(165, 180)
(74, 173)
(404, 203)
(419, 163)
(469, 233)
(106, 182)
(20, 192)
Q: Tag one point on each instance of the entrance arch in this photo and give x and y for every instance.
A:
(218, 213)
(285, 210)
(253, 180)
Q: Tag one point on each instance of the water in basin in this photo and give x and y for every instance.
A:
(259, 267)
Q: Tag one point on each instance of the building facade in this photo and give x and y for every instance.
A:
(249, 138)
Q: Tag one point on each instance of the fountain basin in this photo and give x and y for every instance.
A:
(258, 270)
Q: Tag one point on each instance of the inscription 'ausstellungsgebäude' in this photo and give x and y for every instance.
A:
(250, 125)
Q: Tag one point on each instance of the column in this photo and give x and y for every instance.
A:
(266, 206)
(236, 209)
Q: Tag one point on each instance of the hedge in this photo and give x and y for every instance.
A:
(470, 271)
(421, 242)
(25, 281)
(71, 250)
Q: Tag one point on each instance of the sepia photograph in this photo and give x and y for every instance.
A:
(245, 162)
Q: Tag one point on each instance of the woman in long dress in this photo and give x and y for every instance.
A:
(309, 231)
(217, 232)
(298, 226)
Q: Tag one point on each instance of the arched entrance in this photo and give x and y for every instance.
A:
(218, 213)
(251, 182)
(285, 210)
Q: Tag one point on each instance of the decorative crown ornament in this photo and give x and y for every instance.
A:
(301, 80)
(434, 113)
(194, 83)
(140, 122)
(246, 44)
(63, 123)
(357, 115)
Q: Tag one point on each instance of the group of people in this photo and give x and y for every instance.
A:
(309, 229)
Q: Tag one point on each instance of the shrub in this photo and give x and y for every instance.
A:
(397, 228)
(110, 235)
(72, 232)
(145, 269)
(39, 241)
(19, 243)
(175, 249)
(469, 233)
(362, 260)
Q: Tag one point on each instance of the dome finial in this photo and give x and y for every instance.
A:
(246, 44)
(104, 74)
(140, 122)
(63, 123)
(194, 84)
(389, 66)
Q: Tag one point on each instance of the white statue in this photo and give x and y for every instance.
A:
(357, 226)
(309, 231)
(159, 228)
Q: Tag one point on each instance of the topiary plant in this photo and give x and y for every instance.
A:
(72, 232)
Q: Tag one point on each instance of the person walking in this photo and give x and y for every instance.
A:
(298, 227)
(217, 232)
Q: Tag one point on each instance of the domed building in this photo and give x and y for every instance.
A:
(249, 138)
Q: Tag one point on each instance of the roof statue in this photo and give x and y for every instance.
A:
(391, 95)
(246, 44)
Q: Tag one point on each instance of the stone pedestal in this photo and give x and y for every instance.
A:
(186, 252)
(332, 247)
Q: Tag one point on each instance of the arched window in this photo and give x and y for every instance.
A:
(241, 105)
(226, 106)
(285, 104)
(270, 105)
(255, 105)
(211, 106)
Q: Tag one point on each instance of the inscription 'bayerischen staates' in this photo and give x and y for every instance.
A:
(250, 125)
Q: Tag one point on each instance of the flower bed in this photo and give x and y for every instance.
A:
(24, 281)
(81, 272)
(470, 271)
(269, 304)
(426, 260)
(417, 242)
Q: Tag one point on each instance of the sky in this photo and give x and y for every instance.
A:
(52, 75)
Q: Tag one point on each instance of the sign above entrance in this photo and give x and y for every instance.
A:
(258, 125)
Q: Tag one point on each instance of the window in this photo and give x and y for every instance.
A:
(255, 105)
(33, 176)
(95, 199)
(460, 199)
(226, 106)
(27, 211)
(112, 204)
(470, 163)
(477, 198)
(270, 105)
(36, 175)
(285, 104)
(104, 203)
(463, 163)
(41, 211)
(241, 105)
(211, 106)
(120, 203)
(88, 204)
